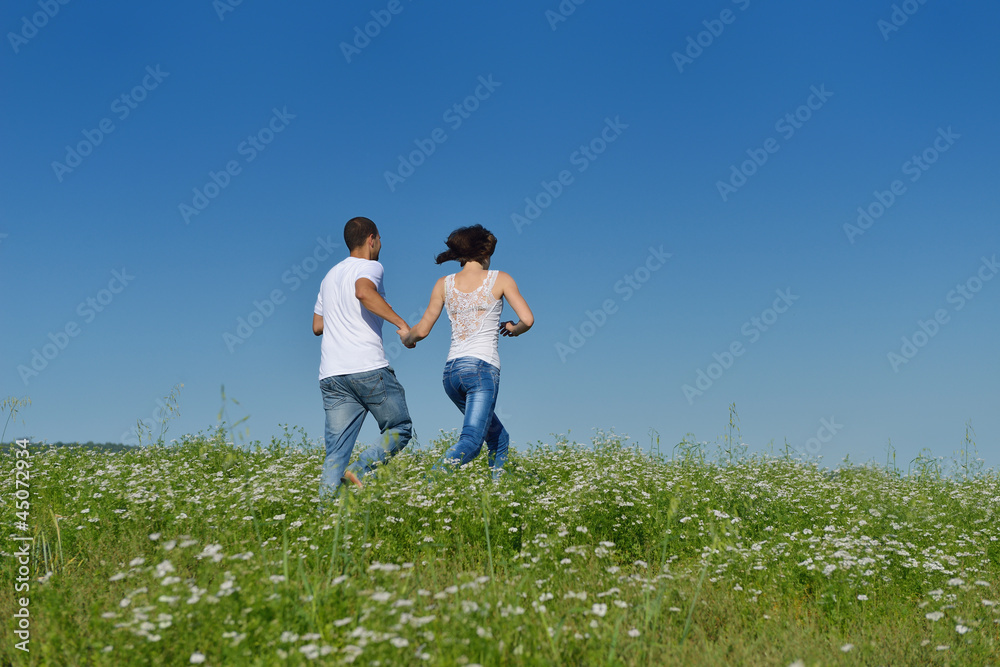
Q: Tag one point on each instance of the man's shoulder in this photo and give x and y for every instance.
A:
(358, 262)
(367, 267)
(355, 264)
(345, 273)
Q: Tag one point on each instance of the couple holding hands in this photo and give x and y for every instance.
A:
(355, 376)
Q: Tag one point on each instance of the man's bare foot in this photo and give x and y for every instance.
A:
(353, 479)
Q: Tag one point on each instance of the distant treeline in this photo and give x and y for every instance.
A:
(101, 446)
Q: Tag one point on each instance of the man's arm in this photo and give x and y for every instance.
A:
(317, 324)
(369, 297)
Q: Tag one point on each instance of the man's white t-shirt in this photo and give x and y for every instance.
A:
(352, 335)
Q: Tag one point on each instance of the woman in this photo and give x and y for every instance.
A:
(474, 299)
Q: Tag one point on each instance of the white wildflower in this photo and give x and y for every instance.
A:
(163, 569)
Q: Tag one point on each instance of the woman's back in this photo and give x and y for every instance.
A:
(474, 310)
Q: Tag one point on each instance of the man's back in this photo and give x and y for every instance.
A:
(352, 335)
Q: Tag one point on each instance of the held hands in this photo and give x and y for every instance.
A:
(507, 329)
(404, 337)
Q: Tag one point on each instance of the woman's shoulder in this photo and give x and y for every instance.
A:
(503, 278)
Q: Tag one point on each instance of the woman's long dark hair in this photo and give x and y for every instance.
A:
(468, 244)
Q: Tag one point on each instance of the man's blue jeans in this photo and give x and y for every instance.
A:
(347, 399)
(473, 385)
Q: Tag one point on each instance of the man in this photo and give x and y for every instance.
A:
(355, 377)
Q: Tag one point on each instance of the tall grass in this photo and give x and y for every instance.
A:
(595, 554)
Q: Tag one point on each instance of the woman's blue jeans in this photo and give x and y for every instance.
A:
(472, 385)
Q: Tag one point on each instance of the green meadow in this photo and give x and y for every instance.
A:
(598, 553)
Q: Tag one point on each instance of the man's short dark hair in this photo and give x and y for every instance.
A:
(357, 231)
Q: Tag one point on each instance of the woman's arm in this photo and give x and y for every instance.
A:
(517, 302)
(422, 329)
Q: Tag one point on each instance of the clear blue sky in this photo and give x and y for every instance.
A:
(738, 137)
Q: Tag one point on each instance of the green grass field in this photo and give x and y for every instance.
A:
(201, 552)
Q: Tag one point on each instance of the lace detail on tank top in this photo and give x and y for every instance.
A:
(468, 310)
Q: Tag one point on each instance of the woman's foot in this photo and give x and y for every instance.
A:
(353, 479)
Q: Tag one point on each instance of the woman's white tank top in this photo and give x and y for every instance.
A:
(475, 320)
